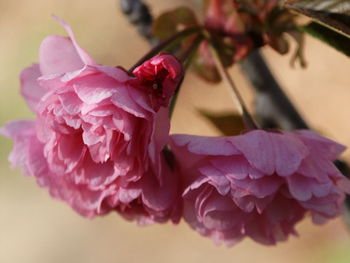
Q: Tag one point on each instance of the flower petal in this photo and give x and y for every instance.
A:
(30, 88)
(58, 55)
(271, 152)
(61, 54)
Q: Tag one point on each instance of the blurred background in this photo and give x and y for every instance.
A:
(35, 228)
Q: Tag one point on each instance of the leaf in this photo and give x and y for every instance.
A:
(332, 13)
(228, 123)
(328, 36)
(170, 22)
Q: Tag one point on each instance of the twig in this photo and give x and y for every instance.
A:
(184, 58)
(140, 16)
(247, 118)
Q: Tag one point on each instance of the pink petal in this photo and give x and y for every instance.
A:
(118, 73)
(321, 145)
(318, 168)
(95, 175)
(260, 188)
(36, 162)
(122, 99)
(343, 183)
(249, 202)
(303, 188)
(277, 152)
(15, 129)
(194, 185)
(126, 195)
(22, 132)
(159, 138)
(93, 89)
(30, 88)
(70, 102)
(140, 98)
(159, 197)
(205, 145)
(58, 55)
(71, 150)
(236, 167)
(216, 178)
(83, 55)
(329, 206)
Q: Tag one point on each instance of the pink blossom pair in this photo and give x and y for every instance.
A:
(98, 142)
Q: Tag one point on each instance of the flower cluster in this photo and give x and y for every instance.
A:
(248, 24)
(100, 142)
(236, 28)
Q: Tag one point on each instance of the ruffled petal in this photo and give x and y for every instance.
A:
(320, 145)
(22, 132)
(30, 88)
(271, 152)
(203, 145)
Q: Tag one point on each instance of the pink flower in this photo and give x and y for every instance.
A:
(98, 136)
(259, 184)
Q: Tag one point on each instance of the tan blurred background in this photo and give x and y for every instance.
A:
(36, 229)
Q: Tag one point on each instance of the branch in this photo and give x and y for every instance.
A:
(140, 16)
(273, 107)
(249, 122)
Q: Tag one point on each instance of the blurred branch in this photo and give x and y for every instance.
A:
(273, 107)
(140, 16)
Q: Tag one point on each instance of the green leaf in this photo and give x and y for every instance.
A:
(328, 36)
(332, 13)
(228, 123)
(172, 21)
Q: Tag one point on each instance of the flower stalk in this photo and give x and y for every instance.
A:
(185, 58)
(173, 39)
(247, 117)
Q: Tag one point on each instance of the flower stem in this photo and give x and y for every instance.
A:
(247, 118)
(165, 43)
(185, 58)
